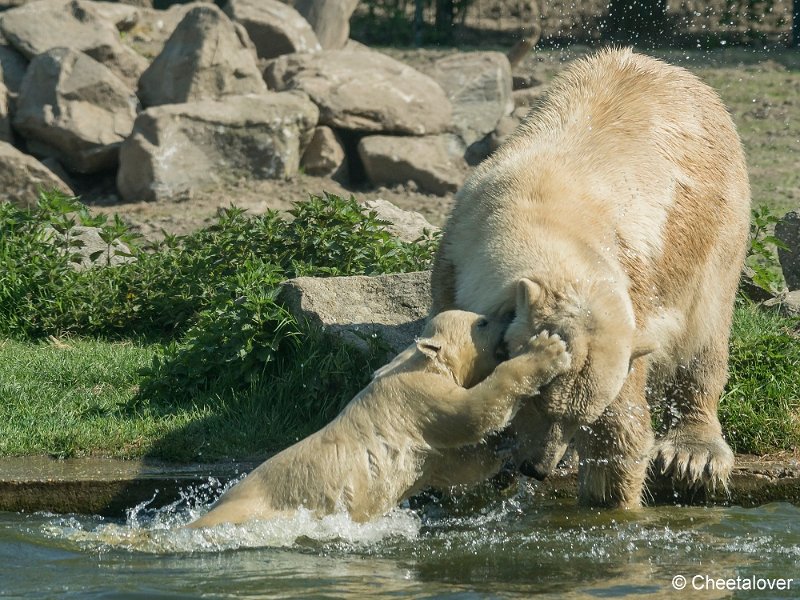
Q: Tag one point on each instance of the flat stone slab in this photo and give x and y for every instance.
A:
(391, 308)
(109, 487)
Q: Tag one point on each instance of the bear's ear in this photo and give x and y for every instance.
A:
(529, 294)
(430, 347)
(643, 343)
(398, 360)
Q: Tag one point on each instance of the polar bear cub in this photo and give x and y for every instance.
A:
(447, 390)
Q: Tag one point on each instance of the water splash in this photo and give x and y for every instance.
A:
(162, 530)
(502, 529)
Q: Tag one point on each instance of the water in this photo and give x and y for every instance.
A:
(506, 548)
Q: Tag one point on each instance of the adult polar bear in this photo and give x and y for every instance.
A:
(623, 197)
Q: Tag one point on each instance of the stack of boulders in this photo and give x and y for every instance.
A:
(174, 101)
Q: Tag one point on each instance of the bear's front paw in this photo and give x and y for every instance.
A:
(551, 352)
(694, 457)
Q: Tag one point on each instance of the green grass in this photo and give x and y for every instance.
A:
(76, 398)
(760, 410)
(82, 397)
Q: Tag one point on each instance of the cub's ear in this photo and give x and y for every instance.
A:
(643, 344)
(396, 362)
(430, 347)
(529, 295)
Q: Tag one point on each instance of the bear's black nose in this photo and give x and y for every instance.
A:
(528, 469)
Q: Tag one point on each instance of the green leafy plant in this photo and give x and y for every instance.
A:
(208, 302)
(761, 254)
(240, 329)
(160, 294)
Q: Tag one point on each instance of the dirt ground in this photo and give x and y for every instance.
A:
(151, 218)
(761, 87)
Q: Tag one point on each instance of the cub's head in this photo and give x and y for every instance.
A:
(595, 318)
(467, 345)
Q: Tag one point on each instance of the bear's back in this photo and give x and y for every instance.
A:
(629, 132)
(635, 157)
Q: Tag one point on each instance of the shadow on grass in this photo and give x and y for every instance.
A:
(311, 378)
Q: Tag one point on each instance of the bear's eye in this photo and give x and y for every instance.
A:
(483, 322)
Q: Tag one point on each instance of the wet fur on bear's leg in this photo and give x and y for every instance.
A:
(692, 451)
(614, 452)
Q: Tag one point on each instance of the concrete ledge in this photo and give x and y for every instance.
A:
(109, 487)
(100, 486)
(755, 481)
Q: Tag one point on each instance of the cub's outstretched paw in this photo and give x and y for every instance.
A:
(551, 352)
(693, 457)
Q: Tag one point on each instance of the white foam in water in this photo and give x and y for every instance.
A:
(163, 530)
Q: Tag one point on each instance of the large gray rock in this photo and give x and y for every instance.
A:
(22, 177)
(788, 231)
(14, 66)
(177, 148)
(5, 120)
(74, 109)
(123, 16)
(325, 155)
(391, 308)
(206, 57)
(432, 162)
(405, 225)
(39, 26)
(274, 28)
(329, 18)
(364, 91)
(478, 85)
(787, 303)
